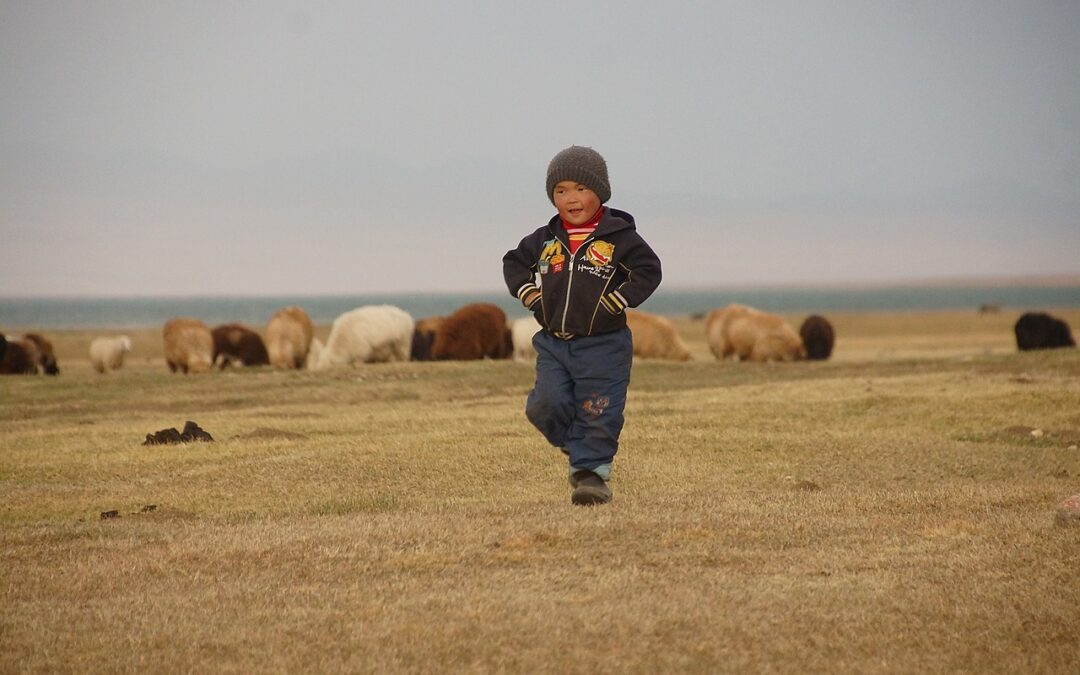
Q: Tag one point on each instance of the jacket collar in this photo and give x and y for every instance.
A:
(613, 220)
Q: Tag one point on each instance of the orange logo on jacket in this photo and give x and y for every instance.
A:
(599, 253)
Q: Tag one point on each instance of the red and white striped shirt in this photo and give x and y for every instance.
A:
(579, 233)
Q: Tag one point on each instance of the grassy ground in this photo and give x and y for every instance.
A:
(885, 511)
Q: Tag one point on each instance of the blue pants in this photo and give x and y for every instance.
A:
(580, 395)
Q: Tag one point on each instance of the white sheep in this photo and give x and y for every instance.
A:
(522, 332)
(369, 334)
(107, 353)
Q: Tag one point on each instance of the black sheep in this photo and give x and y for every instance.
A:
(1038, 330)
(818, 337)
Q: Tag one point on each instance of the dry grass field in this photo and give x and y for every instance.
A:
(884, 511)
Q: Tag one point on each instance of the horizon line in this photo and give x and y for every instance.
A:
(1058, 280)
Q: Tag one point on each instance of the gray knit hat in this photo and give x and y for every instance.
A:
(581, 165)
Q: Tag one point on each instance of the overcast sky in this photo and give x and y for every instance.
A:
(350, 147)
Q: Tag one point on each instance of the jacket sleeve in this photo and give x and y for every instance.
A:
(519, 269)
(642, 268)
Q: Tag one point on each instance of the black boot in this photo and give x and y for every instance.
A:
(589, 489)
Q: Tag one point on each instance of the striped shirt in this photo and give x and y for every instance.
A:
(579, 233)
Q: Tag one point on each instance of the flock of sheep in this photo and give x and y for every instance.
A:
(381, 333)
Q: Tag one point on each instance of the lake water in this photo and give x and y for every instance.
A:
(138, 312)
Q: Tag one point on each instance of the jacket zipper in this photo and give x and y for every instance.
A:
(570, 280)
(569, 284)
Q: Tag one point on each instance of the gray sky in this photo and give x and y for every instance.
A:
(349, 147)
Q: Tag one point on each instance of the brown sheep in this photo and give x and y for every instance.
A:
(751, 335)
(189, 346)
(46, 357)
(818, 337)
(655, 337)
(424, 338)
(233, 342)
(21, 357)
(288, 337)
(717, 325)
(29, 355)
(473, 332)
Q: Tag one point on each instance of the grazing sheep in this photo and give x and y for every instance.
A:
(107, 353)
(288, 337)
(473, 332)
(240, 344)
(424, 338)
(522, 332)
(750, 334)
(818, 337)
(717, 326)
(372, 334)
(1037, 330)
(21, 357)
(189, 346)
(655, 337)
(46, 357)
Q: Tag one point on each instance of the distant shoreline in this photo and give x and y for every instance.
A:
(75, 313)
(1003, 281)
(1026, 281)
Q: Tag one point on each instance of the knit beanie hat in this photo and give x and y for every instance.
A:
(581, 165)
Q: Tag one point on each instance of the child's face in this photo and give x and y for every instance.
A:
(576, 203)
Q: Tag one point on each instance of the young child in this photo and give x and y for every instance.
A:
(592, 265)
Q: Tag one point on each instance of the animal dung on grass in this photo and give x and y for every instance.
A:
(107, 352)
(288, 337)
(1038, 330)
(192, 432)
(189, 346)
(472, 332)
(751, 335)
(370, 334)
(655, 337)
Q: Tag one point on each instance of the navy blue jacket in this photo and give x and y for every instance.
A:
(585, 293)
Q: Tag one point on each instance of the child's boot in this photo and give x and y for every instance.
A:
(589, 489)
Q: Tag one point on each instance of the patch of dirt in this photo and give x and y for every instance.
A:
(1068, 435)
(294, 415)
(1068, 512)
(1065, 436)
(1018, 430)
(269, 433)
